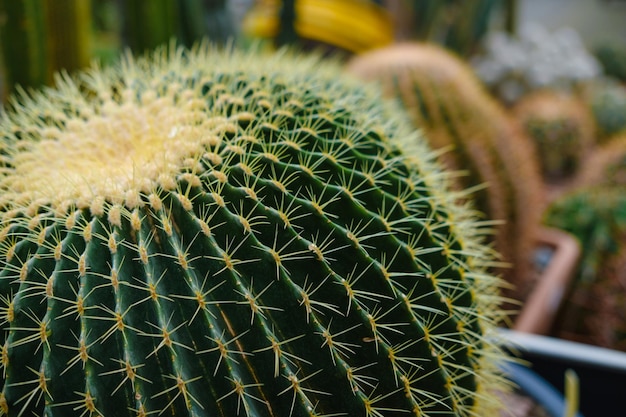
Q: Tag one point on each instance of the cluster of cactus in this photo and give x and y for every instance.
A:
(596, 216)
(446, 100)
(38, 38)
(561, 127)
(607, 101)
(223, 233)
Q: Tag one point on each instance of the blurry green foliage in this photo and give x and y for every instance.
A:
(596, 216)
(41, 37)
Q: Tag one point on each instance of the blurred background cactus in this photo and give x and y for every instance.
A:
(606, 97)
(24, 57)
(477, 138)
(596, 216)
(40, 37)
(561, 127)
(605, 166)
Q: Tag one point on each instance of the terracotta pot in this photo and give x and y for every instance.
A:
(541, 306)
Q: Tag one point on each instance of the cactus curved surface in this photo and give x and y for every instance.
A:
(479, 140)
(209, 233)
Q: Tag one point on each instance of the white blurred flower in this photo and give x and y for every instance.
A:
(534, 59)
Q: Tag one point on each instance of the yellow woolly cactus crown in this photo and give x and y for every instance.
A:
(222, 233)
(133, 136)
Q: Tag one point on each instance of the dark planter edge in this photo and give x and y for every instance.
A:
(602, 371)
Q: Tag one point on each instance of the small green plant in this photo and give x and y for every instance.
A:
(206, 233)
(475, 136)
(24, 58)
(596, 216)
(562, 129)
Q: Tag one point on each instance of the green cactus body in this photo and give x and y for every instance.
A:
(562, 129)
(148, 24)
(612, 57)
(201, 18)
(445, 99)
(23, 36)
(185, 235)
(69, 34)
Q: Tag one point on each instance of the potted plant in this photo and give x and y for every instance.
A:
(557, 254)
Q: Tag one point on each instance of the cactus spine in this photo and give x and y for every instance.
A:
(445, 99)
(185, 235)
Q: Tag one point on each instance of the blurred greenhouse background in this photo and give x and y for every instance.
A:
(567, 57)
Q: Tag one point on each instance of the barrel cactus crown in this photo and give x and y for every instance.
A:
(224, 233)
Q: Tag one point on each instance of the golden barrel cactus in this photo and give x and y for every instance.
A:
(220, 233)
